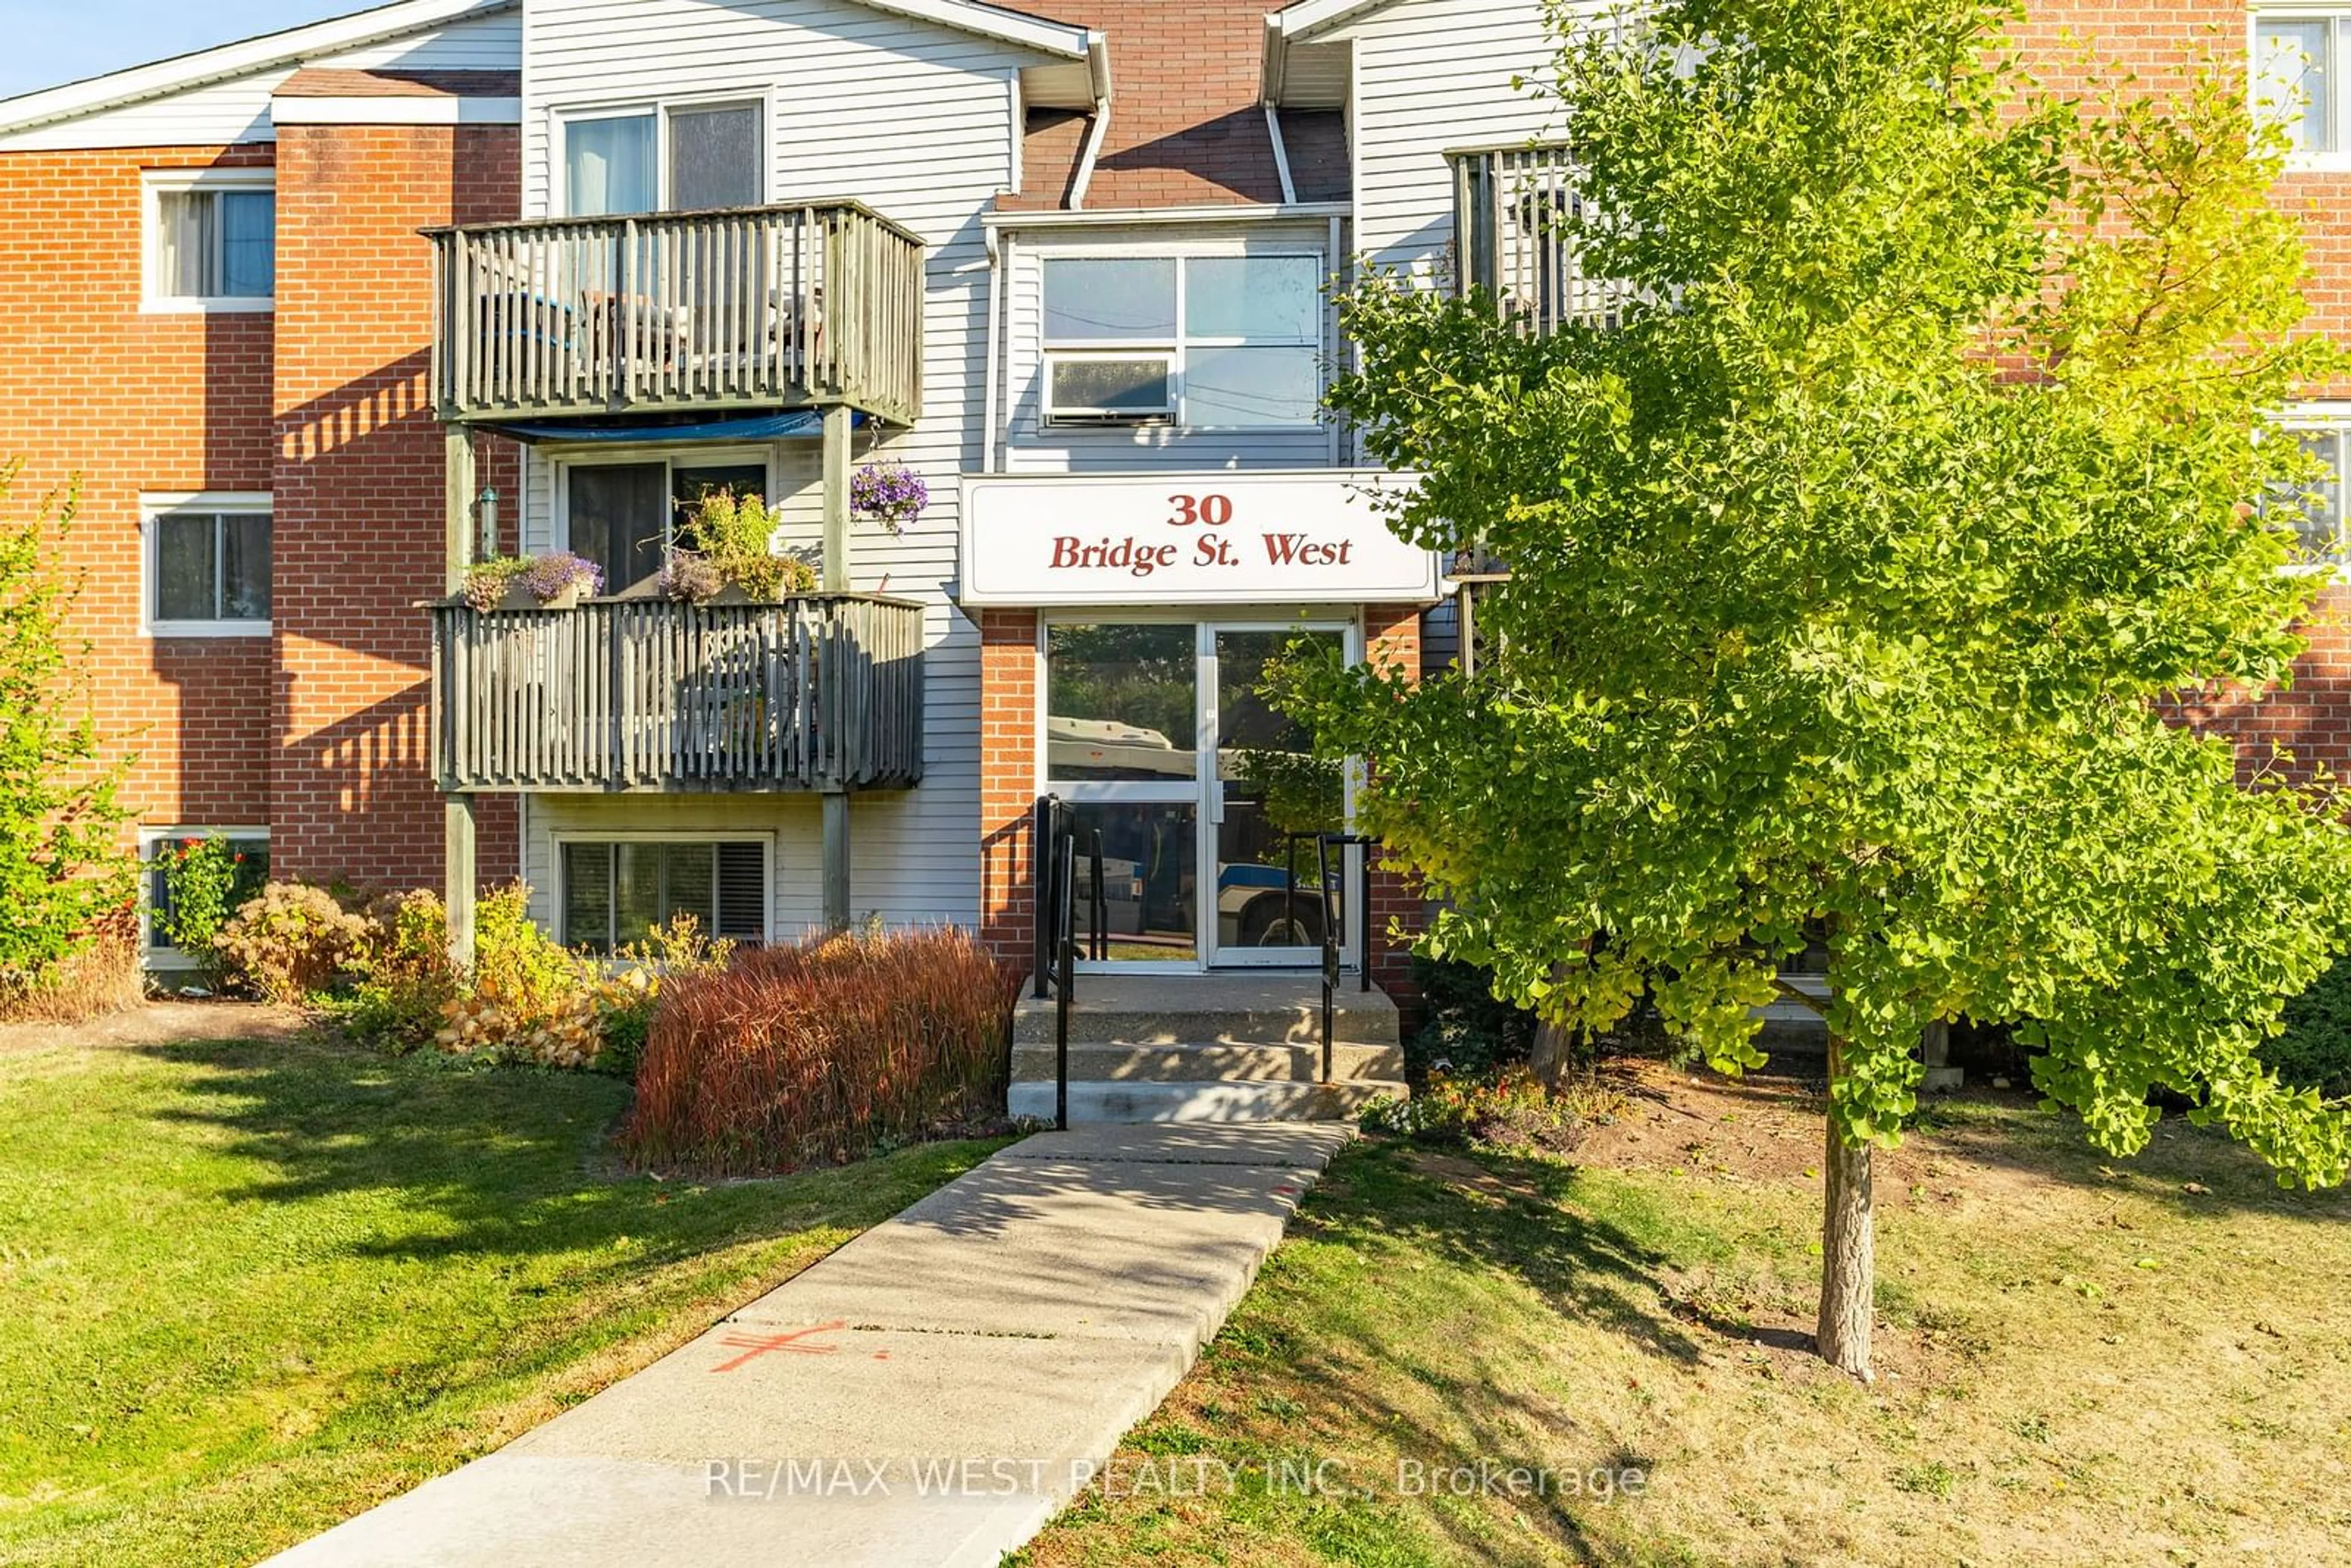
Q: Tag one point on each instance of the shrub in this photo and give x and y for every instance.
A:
(402, 977)
(288, 941)
(62, 873)
(1463, 1030)
(204, 882)
(820, 1051)
(2314, 1052)
(1506, 1109)
(531, 1000)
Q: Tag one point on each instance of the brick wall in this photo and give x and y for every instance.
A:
(1010, 669)
(359, 480)
(93, 387)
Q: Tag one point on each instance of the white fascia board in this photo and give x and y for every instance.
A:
(989, 22)
(1296, 24)
(1113, 218)
(244, 57)
(366, 109)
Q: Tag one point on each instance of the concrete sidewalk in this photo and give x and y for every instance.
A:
(931, 1394)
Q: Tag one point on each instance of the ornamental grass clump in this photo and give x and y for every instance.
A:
(820, 1052)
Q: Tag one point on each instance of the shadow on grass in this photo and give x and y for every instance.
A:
(508, 1162)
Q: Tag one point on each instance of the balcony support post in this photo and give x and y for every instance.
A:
(836, 498)
(457, 860)
(836, 858)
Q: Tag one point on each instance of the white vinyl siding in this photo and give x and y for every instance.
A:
(1430, 75)
(913, 120)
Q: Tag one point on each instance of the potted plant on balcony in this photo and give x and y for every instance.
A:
(889, 493)
(556, 581)
(725, 548)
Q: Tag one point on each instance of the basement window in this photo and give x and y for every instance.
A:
(252, 873)
(212, 239)
(616, 892)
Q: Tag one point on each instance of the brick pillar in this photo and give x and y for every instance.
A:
(359, 494)
(1010, 678)
(1392, 641)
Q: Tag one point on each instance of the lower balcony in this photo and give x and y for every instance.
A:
(819, 693)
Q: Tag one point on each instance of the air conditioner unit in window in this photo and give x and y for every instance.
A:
(1109, 389)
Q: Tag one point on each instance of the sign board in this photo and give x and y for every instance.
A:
(1299, 536)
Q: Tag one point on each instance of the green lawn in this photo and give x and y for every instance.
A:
(2083, 1360)
(250, 1290)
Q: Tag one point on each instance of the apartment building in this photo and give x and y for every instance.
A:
(320, 317)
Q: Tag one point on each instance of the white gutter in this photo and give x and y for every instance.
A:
(1098, 70)
(996, 272)
(1280, 155)
(1260, 212)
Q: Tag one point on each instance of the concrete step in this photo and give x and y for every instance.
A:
(1195, 1062)
(1213, 1008)
(1091, 1100)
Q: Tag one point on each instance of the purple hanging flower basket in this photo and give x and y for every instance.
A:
(889, 493)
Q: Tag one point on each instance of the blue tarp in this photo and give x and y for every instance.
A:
(781, 425)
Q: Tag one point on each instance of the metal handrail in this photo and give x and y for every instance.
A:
(1332, 944)
(1057, 834)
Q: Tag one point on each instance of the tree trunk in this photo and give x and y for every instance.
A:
(1848, 1247)
(1552, 1054)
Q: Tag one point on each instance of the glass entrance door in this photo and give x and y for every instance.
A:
(1206, 798)
(1268, 797)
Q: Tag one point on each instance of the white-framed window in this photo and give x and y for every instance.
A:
(211, 239)
(2325, 435)
(695, 155)
(207, 558)
(1227, 342)
(611, 889)
(2299, 54)
(622, 510)
(252, 871)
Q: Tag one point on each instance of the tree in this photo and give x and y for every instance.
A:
(1853, 564)
(62, 866)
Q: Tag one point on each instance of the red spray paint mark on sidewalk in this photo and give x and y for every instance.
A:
(753, 1346)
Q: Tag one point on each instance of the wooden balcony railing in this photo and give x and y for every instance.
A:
(817, 693)
(799, 303)
(1512, 208)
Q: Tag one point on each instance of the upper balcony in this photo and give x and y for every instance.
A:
(794, 305)
(1512, 207)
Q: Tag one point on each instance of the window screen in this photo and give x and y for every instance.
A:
(713, 157)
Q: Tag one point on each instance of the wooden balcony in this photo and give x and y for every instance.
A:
(796, 305)
(821, 693)
(1511, 209)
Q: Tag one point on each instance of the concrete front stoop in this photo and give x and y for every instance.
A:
(927, 1396)
(1220, 1046)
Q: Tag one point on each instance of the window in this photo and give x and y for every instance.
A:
(614, 892)
(252, 872)
(680, 159)
(623, 515)
(2298, 58)
(2320, 523)
(212, 239)
(1207, 341)
(207, 565)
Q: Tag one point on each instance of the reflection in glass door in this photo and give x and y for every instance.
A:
(1122, 745)
(1270, 798)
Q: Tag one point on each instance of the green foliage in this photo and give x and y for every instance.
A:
(402, 977)
(1465, 1027)
(1824, 614)
(734, 534)
(1303, 793)
(62, 869)
(205, 880)
(2314, 1052)
(1505, 1108)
